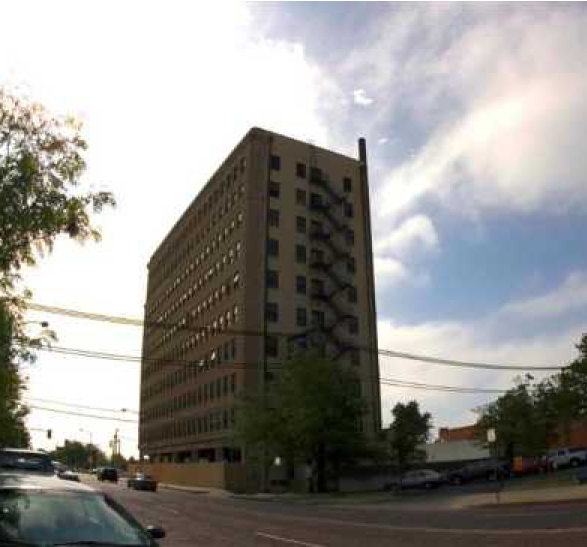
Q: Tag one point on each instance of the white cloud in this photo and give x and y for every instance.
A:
(416, 231)
(499, 96)
(165, 95)
(382, 140)
(360, 97)
(472, 342)
(570, 296)
(388, 271)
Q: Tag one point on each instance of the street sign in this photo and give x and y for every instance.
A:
(491, 435)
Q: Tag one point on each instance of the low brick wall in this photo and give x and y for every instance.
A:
(227, 476)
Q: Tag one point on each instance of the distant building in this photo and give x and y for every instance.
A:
(455, 451)
(465, 433)
(273, 256)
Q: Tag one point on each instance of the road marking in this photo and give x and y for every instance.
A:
(287, 540)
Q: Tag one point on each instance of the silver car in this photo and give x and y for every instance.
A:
(41, 511)
(421, 478)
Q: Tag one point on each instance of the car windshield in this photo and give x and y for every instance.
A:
(24, 461)
(49, 518)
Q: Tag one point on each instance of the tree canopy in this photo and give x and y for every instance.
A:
(533, 414)
(78, 455)
(410, 428)
(41, 166)
(312, 412)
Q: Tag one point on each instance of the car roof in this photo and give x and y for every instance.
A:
(41, 482)
(24, 451)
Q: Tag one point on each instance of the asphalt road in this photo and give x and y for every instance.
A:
(194, 520)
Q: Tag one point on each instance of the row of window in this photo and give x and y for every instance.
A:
(217, 420)
(274, 218)
(204, 209)
(215, 390)
(301, 254)
(316, 285)
(316, 174)
(222, 354)
(272, 316)
(200, 259)
(273, 348)
(204, 332)
(216, 295)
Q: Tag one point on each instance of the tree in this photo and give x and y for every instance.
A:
(79, 455)
(311, 412)
(41, 164)
(409, 429)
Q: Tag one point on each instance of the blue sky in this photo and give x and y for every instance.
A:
(474, 116)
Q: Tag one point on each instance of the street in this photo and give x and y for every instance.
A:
(192, 519)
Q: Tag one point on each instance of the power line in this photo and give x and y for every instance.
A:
(381, 351)
(35, 399)
(386, 381)
(68, 412)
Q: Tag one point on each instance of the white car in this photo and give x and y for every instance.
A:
(565, 457)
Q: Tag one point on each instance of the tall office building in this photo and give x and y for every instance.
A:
(273, 256)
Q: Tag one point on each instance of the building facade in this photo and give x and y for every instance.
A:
(272, 257)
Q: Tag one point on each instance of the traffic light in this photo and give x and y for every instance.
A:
(49, 433)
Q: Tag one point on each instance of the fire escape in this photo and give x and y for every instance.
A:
(330, 261)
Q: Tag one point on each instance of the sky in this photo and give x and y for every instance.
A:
(474, 116)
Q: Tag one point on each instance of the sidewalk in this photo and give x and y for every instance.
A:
(450, 501)
(534, 496)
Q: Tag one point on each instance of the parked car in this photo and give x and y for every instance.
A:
(26, 461)
(107, 474)
(565, 457)
(44, 510)
(68, 475)
(484, 469)
(422, 478)
(526, 465)
(140, 481)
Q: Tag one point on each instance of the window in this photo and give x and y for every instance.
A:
(317, 286)
(351, 265)
(316, 256)
(317, 318)
(300, 284)
(300, 197)
(301, 225)
(271, 346)
(301, 254)
(273, 247)
(272, 312)
(350, 237)
(353, 325)
(348, 184)
(275, 162)
(233, 348)
(355, 359)
(301, 170)
(352, 295)
(315, 174)
(273, 189)
(272, 279)
(301, 317)
(273, 218)
(315, 200)
(236, 280)
(316, 227)
(348, 210)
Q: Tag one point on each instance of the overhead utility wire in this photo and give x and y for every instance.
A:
(62, 403)
(112, 419)
(385, 352)
(231, 366)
